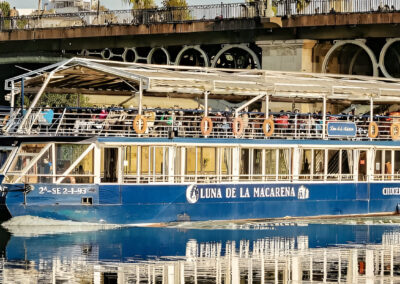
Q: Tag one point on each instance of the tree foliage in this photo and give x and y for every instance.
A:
(141, 4)
(302, 4)
(5, 8)
(174, 3)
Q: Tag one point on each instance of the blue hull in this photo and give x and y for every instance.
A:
(135, 204)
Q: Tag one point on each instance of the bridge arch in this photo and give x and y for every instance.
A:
(156, 50)
(192, 47)
(130, 55)
(363, 47)
(243, 47)
(382, 64)
(106, 54)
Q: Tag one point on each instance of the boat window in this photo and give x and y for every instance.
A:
(178, 164)
(305, 164)
(284, 164)
(257, 164)
(362, 166)
(347, 166)
(388, 164)
(144, 160)
(378, 169)
(191, 161)
(130, 164)
(84, 171)
(26, 154)
(66, 154)
(270, 164)
(109, 165)
(4, 154)
(319, 164)
(244, 164)
(333, 164)
(207, 161)
(396, 164)
(226, 161)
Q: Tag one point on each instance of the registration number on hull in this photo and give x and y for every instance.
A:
(62, 190)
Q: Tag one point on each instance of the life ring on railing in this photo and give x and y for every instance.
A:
(237, 126)
(373, 130)
(361, 266)
(209, 129)
(271, 127)
(5, 120)
(143, 122)
(395, 131)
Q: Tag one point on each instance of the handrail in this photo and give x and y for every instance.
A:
(91, 122)
(214, 12)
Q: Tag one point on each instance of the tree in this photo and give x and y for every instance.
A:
(301, 5)
(174, 3)
(5, 8)
(141, 4)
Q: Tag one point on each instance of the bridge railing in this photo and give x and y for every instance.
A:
(135, 17)
(315, 7)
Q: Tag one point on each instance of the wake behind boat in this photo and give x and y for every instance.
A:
(335, 153)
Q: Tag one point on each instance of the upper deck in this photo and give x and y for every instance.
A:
(366, 102)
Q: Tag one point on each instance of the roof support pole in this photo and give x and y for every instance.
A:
(206, 93)
(12, 102)
(35, 101)
(371, 111)
(324, 118)
(140, 96)
(260, 96)
(267, 106)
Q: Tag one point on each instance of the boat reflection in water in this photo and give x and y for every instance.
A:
(259, 253)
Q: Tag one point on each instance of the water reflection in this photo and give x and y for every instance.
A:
(269, 253)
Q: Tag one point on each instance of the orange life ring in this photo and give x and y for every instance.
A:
(395, 131)
(143, 121)
(373, 130)
(361, 265)
(5, 120)
(270, 123)
(237, 126)
(205, 120)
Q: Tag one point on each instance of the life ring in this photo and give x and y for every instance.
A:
(237, 126)
(205, 120)
(373, 130)
(361, 266)
(143, 121)
(270, 124)
(395, 131)
(5, 120)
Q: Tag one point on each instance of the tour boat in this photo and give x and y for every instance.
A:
(335, 153)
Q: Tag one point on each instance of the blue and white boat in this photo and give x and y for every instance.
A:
(147, 165)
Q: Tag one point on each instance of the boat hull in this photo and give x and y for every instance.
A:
(145, 204)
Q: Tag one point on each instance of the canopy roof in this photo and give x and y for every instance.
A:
(90, 76)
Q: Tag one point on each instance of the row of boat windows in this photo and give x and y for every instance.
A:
(76, 163)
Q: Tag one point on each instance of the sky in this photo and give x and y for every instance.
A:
(114, 4)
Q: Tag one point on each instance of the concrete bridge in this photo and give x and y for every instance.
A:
(326, 36)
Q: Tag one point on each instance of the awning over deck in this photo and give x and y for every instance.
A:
(97, 77)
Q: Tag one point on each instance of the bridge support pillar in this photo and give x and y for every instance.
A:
(287, 55)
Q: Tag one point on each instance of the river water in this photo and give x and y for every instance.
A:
(347, 250)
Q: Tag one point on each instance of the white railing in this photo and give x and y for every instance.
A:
(89, 122)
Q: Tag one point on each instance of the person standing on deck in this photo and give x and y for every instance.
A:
(13, 15)
(1, 19)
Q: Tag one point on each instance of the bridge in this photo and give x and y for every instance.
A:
(333, 36)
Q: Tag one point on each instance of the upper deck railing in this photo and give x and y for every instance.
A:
(215, 12)
(161, 123)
